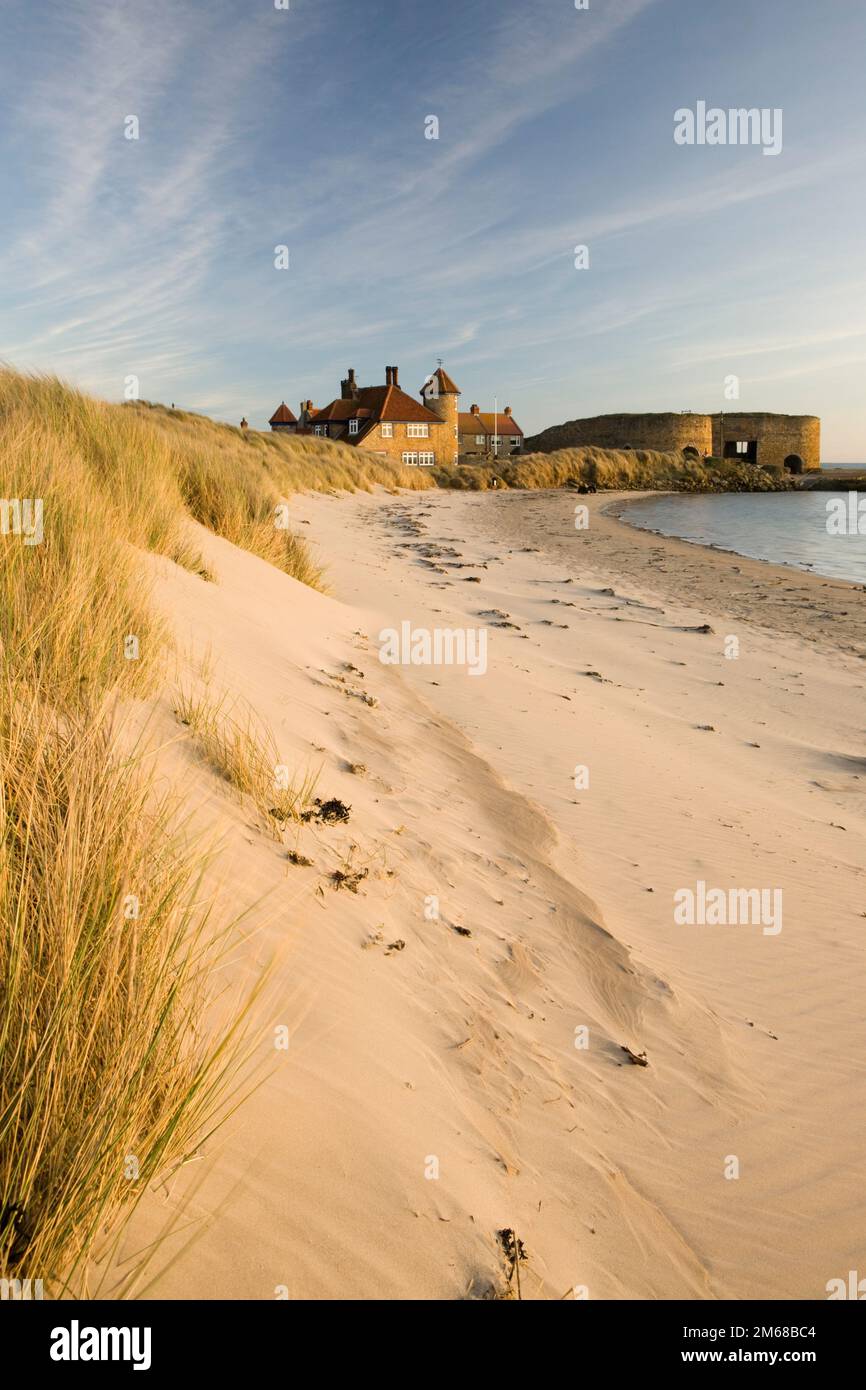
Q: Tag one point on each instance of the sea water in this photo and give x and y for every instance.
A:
(786, 528)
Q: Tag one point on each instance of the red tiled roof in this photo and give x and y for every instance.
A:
(375, 403)
(283, 416)
(482, 423)
(337, 410)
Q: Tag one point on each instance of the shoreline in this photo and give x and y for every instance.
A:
(798, 603)
(623, 503)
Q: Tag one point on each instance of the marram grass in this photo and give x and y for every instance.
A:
(613, 468)
(108, 962)
(241, 749)
(148, 478)
(148, 468)
(119, 1049)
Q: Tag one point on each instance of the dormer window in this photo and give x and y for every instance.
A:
(353, 426)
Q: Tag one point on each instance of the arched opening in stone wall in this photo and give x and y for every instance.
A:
(691, 452)
(794, 464)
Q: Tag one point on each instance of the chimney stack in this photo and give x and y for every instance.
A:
(508, 410)
(474, 409)
(349, 386)
(395, 379)
(387, 376)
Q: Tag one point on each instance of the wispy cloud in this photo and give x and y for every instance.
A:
(306, 127)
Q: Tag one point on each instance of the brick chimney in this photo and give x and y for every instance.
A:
(349, 387)
(474, 409)
(508, 410)
(395, 376)
(245, 423)
(388, 371)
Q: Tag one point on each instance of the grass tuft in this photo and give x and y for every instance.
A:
(107, 961)
(242, 749)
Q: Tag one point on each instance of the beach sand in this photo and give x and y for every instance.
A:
(457, 1025)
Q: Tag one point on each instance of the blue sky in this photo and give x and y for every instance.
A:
(306, 127)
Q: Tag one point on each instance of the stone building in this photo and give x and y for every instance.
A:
(792, 442)
(385, 420)
(487, 434)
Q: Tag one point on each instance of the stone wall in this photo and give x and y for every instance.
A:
(778, 438)
(444, 404)
(774, 440)
(440, 441)
(668, 433)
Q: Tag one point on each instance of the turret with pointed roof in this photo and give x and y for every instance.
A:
(439, 384)
(283, 419)
(439, 394)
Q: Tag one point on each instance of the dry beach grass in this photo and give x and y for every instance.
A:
(107, 955)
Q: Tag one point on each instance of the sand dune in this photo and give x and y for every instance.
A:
(433, 1092)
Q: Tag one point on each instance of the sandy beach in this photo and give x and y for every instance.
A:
(458, 1009)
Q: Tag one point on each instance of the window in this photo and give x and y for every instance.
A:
(479, 439)
(319, 429)
(410, 459)
(418, 431)
(426, 460)
(495, 440)
(353, 426)
(515, 443)
(387, 431)
(746, 450)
